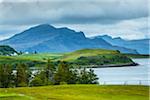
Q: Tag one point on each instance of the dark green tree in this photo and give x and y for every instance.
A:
(49, 71)
(92, 77)
(64, 74)
(83, 77)
(46, 76)
(87, 77)
(35, 52)
(23, 75)
(6, 76)
(39, 79)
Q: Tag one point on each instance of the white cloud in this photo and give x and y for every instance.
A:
(127, 29)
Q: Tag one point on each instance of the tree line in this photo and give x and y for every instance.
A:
(50, 74)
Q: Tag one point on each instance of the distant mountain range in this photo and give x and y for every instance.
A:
(46, 38)
(141, 45)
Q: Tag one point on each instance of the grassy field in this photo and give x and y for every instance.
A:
(29, 58)
(42, 57)
(76, 92)
(35, 60)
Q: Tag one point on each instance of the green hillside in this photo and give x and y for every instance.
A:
(14, 60)
(7, 50)
(76, 92)
(87, 52)
(41, 56)
(79, 57)
(97, 57)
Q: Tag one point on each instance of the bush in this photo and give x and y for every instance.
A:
(63, 83)
(36, 82)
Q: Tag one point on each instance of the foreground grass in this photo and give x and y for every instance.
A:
(76, 92)
(13, 96)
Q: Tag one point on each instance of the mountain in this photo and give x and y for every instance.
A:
(46, 38)
(7, 50)
(141, 45)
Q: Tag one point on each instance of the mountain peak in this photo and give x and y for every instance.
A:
(65, 29)
(118, 38)
(45, 26)
(106, 36)
(103, 36)
(42, 28)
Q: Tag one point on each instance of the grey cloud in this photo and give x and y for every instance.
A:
(126, 18)
(128, 29)
(71, 12)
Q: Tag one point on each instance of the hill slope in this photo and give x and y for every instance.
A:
(7, 50)
(97, 58)
(87, 52)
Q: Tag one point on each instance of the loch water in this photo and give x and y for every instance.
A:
(131, 75)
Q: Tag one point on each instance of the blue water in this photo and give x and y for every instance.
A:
(126, 75)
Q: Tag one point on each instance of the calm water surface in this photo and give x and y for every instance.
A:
(126, 75)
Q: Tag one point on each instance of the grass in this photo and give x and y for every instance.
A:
(86, 53)
(76, 92)
(38, 60)
(14, 96)
(42, 57)
(12, 59)
(28, 58)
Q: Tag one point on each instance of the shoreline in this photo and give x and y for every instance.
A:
(112, 65)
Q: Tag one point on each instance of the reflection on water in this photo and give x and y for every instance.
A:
(125, 75)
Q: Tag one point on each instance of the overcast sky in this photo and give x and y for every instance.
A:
(124, 18)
